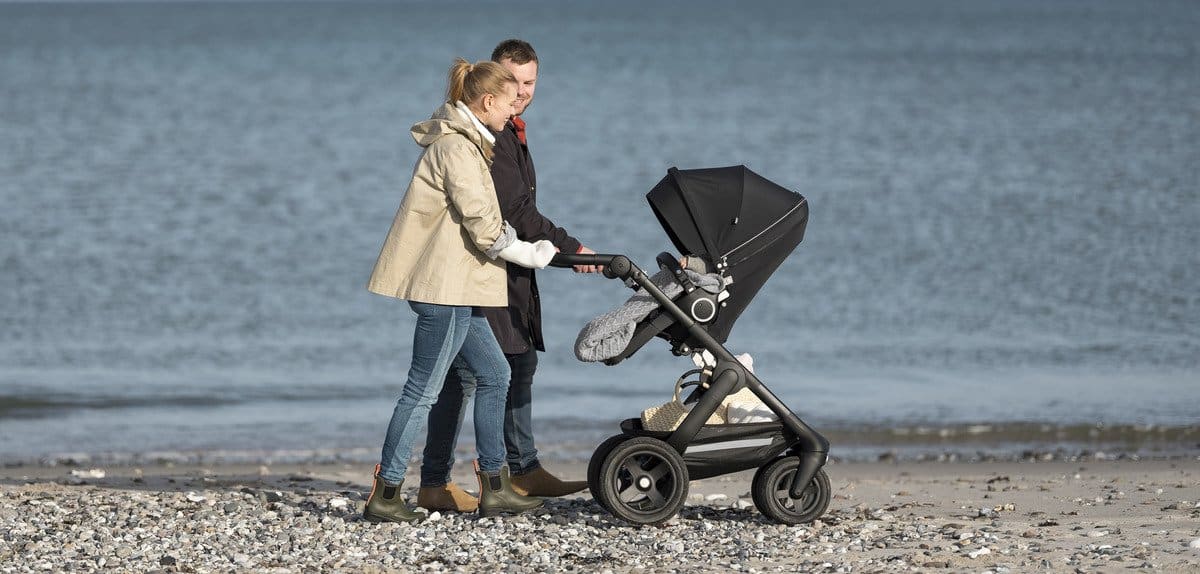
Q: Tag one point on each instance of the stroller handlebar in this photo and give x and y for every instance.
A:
(615, 266)
(565, 260)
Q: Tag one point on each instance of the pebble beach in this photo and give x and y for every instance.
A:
(992, 316)
(1081, 516)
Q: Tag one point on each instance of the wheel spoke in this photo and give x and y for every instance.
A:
(660, 470)
(631, 468)
(783, 488)
(629, 493)
(656, 497)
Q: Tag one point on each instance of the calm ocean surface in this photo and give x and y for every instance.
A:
(1003, 251)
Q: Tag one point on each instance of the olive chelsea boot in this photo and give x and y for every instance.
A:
(386, 505)
(496, 495)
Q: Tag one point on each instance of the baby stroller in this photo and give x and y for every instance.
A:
(742, 227)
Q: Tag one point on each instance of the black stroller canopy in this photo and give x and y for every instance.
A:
(738, 220)
(720, 213)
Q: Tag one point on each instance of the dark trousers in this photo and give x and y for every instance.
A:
(446, 416)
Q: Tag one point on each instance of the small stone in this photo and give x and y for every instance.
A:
(714, 497)
(90, 473)
(194, 497)
(1097, 533)
(979, 552)
(338, 503)
(1195, 544)
(166, 561)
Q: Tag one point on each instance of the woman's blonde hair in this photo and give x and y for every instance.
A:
(468, 82)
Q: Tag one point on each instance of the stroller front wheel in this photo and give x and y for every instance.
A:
(643, 481)
(772, 496)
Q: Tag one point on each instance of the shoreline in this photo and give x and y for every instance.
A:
(579, 451)
(885, 516)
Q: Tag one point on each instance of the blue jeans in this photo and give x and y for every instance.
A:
(446, 418)
(444, 334)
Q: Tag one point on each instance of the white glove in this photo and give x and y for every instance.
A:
(535, 255)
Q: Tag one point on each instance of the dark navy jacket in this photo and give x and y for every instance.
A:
(520, 324)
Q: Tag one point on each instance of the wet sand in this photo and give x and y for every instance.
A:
(993, 516)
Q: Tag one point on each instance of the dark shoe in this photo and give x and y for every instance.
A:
(538, 482)
(496, 495)
(385, 504)
(446, 497)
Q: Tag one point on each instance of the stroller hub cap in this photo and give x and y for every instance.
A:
(703, 310)
(644, 483)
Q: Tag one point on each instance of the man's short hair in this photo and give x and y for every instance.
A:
(519, 51)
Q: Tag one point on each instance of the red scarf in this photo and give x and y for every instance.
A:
(519, 123)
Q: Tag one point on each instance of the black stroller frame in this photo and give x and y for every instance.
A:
(641, 475)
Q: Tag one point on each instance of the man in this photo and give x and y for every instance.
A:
(518, 327)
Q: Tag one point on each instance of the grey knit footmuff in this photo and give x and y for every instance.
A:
(607, 335)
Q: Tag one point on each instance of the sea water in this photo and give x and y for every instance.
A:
(1002, 244)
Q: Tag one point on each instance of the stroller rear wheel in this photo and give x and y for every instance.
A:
(643, 481)
(593, 471)
(771, 487)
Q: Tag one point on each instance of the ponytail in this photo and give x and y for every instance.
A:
(456, 84)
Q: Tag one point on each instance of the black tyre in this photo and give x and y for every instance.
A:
(772, 496)
(643, 481)
(593, 472)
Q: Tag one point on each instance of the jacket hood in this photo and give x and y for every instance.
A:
(446, 121)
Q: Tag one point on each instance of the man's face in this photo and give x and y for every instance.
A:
(526, 81)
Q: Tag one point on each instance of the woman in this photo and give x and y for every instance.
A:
(443, 254)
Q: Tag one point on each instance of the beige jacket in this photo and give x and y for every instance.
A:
(448, 219)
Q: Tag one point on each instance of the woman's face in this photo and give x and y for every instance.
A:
(501, 108)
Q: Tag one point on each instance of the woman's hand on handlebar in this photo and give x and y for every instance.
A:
(588, 268)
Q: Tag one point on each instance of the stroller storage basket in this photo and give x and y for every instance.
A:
(722, 449)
